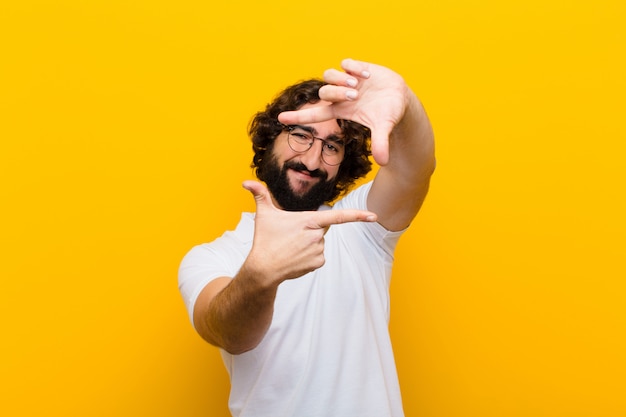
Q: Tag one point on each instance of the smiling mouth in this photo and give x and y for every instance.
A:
(302, 181)
(304, 173)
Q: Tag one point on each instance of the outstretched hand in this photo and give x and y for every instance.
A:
(366, 93)
(290, 244)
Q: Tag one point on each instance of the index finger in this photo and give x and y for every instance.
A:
(308, 115)
(327, 218)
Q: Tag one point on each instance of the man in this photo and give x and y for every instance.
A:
(300, 309)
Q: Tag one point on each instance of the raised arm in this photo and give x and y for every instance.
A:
(401, 185)
(402, 137)
(234, 313)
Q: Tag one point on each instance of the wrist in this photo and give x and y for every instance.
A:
(258, 274)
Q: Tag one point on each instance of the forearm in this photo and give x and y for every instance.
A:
(401, 185)
(237, 317)
(411, 144)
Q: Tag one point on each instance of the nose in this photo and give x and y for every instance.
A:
(313, 157)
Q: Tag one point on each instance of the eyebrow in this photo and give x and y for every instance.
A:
(332, 137)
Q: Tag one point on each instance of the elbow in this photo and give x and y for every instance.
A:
(238, 350)
(232, 345)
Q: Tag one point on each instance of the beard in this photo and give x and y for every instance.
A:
(277, 182)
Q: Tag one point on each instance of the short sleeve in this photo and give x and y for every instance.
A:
(376, 233)
(221, 258)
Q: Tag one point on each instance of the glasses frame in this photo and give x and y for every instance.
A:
(290, 128)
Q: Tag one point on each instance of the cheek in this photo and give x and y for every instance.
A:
(281, 150)
(332, 172)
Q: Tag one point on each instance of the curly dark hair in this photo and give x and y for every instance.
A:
(264, 128)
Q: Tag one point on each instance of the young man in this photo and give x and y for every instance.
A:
(300, 309)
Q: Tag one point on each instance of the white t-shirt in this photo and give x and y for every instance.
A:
(327, 352)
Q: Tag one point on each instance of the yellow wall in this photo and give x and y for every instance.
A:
(122, 144)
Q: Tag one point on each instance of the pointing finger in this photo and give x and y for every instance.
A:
(309, 115)
(329, 217)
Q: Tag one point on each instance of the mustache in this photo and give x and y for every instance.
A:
(300, 167)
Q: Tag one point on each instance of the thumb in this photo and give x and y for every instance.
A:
(380, 145)
(260, 193)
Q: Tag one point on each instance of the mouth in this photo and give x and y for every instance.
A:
(303, 173)
(302, 181)
(300, 171)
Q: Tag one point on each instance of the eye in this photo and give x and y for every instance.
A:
(301, 136)
(330, 148)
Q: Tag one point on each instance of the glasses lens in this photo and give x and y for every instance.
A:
(331, 153)
(300, 140)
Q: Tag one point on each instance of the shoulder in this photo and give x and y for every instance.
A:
(219, 258)
(374, 233)
(230, 241)
(355, 199)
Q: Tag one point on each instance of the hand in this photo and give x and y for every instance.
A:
(369, 94)
(290, 244)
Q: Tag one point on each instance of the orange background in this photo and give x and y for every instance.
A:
(123, 143)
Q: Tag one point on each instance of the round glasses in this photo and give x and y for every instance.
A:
(300, 140)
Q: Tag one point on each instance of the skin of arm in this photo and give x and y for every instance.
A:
(401, 185)
(235, 313)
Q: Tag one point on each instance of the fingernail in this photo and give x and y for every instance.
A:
(370, 218)
(351, 82)
(351, 94)
(365, 74)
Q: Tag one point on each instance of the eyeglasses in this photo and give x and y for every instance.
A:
(301, 140)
